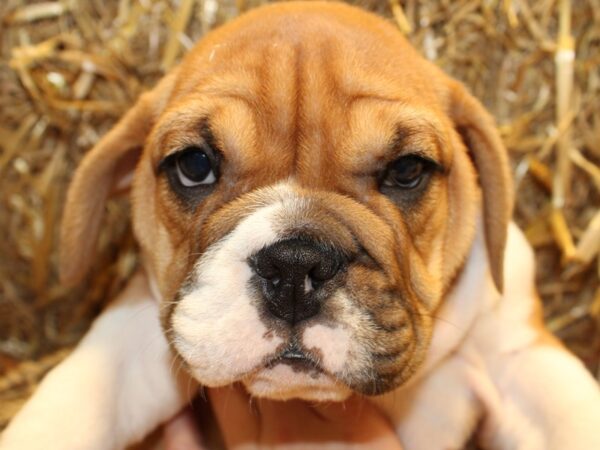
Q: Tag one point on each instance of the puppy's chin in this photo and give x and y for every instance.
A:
(285, 382)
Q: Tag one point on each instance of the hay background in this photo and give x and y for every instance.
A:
(69, 69)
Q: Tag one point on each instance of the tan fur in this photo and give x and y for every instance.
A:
(491, 161)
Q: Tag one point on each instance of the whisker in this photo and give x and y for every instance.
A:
(188, 392)
(202, 392)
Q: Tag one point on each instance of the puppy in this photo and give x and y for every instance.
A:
(320, 212)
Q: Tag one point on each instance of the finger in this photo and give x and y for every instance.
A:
(290, 421)
(366, 424)
(183, 432)
(355, 423)
(235, 415)
(353, 409)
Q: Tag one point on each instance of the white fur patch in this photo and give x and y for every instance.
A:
(117, 385)
(283, 383)
(217, 329)
(332, 342)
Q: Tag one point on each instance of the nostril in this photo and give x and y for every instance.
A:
(324, 271)
(264, 269)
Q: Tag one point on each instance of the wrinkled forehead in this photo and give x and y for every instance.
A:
(312, 48)
(271, 94)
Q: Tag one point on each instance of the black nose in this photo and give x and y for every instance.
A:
(292, 274)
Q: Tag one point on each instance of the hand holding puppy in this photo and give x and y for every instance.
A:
(259, 423)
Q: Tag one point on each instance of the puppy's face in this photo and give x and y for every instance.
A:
(303, 201)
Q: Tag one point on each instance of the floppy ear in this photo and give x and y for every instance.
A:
(108, 167)
(479, 132)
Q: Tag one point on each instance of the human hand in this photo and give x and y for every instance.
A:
(247, 423)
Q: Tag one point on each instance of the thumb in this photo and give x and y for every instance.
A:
(353, 409)
(370, 427)
(235, 414)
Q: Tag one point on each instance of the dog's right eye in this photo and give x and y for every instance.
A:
(192, 172)
(194, 167)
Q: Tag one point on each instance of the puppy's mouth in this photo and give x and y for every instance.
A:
(295, 373)
(296, 358)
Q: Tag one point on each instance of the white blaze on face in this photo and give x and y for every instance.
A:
(333, 343)
(341, 345)
(216, 326)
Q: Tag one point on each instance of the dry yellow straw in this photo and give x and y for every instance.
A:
(563, 59)
(400, 17)
(509, 10)
(589, 244)
(173, 45)
(37, 11)
(540, 171)
(562, 235)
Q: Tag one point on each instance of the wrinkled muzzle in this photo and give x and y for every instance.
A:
(304, 296)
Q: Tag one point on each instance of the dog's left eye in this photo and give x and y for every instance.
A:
(408, 172)
(194, 167)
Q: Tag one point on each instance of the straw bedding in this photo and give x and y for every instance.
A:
(69, 69)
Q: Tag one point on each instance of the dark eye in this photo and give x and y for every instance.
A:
(194, 167)
(407, 172)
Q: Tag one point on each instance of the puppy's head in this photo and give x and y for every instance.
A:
(306, 193)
